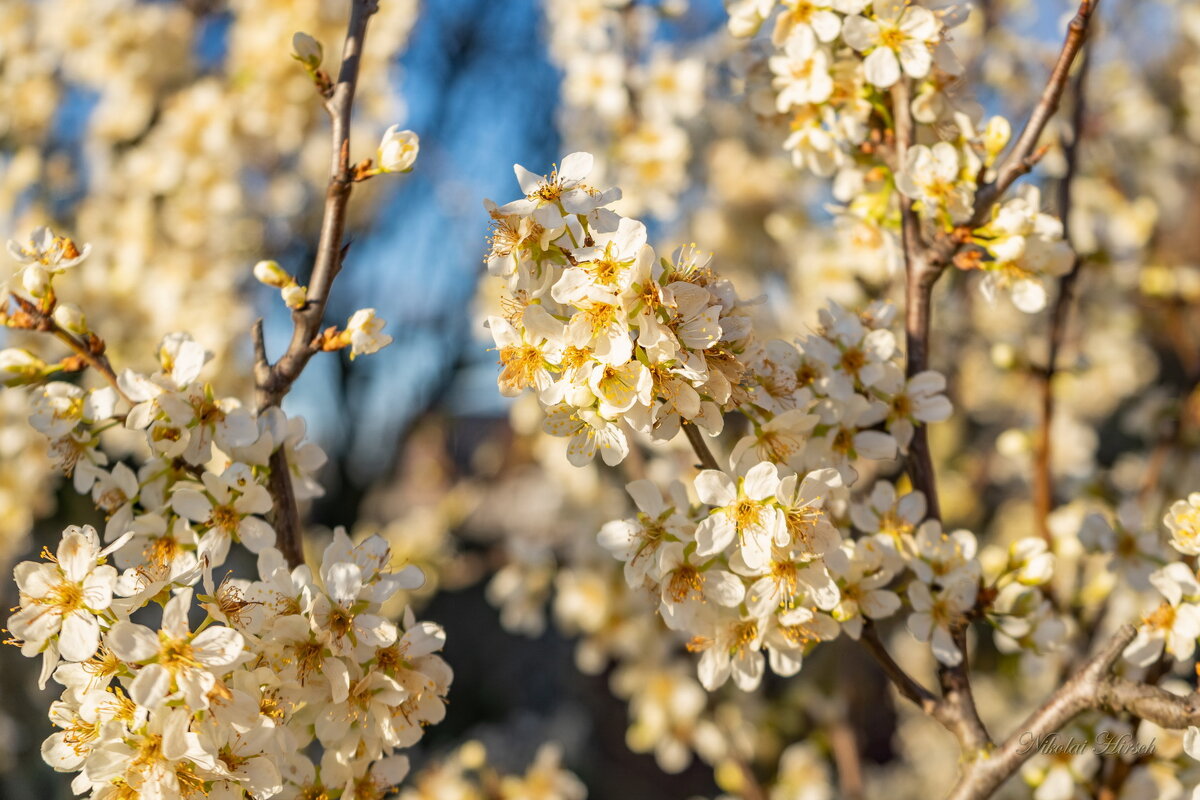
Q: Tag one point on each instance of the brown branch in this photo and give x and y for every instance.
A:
(89, 348)
(919, 280)
(1091, 687)
(1149, 702)
(1024, 154)
(87, 351)
(956, 709)
(844, 745)
(908, 686)
(272, 382)
(959, 712)
(752, 788)
(696, 437)
(1043, 479)
(924, 264)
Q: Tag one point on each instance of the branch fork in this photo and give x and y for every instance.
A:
(273, 381)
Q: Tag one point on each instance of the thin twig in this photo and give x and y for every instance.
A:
(97, 361)
(273, 381)
(908, 686)
(1024, 154)
(90, 348)
(1043, 479)
(846, 758)
(696, 437)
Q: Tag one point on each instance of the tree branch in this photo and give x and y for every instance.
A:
(956, 709)
(919, 280)
(96, 360)
(1149, 702)
(1024, 155)
(846, 759)
(1086, 689)
(696, 437)
(908, 686)
(1022, 158)
(272, 382)
(88, 347)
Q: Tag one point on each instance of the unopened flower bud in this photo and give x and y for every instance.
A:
(996, 134)
(473, 755)
(744, 21)
(270, 273)
(36, 280)
(70, 318)
(294, 296)
(1004, 355)
(363, 330)
(306, 50)
(1032, 560)
(20, 366)
(1016, 600)
(398, 150)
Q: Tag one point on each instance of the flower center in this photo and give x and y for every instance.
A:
(64, 598)
(521, 364)
(745, 513)
(176, 654)
(891, 38)
(684, 581)
(744, 635)
(1162, 618)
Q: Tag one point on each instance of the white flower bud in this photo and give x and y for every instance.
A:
(1032, 561)
(364, 332)
(996, 134)
(398, 150)
(18, 366)
(70, 318)
(270, 273)
(294, 296)
(744, 20)
(35, 280)
(1004, 356)
(1016, 600)
(306, 50)
(473, 755)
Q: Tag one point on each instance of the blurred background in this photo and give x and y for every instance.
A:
(182, 141)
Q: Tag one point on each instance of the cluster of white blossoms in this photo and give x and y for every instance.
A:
(1026, 246)
(230, 708)
(835, 61)
(835, 71)
(465, 775)
(227, 709)
(837, 395)
(609, 336)
(762, 563)
(177, 170)
(610, 339)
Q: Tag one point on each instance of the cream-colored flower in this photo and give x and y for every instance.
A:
(174, 659)
(398, 150)
(363, 330)
(62, 600)
(900, 36)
